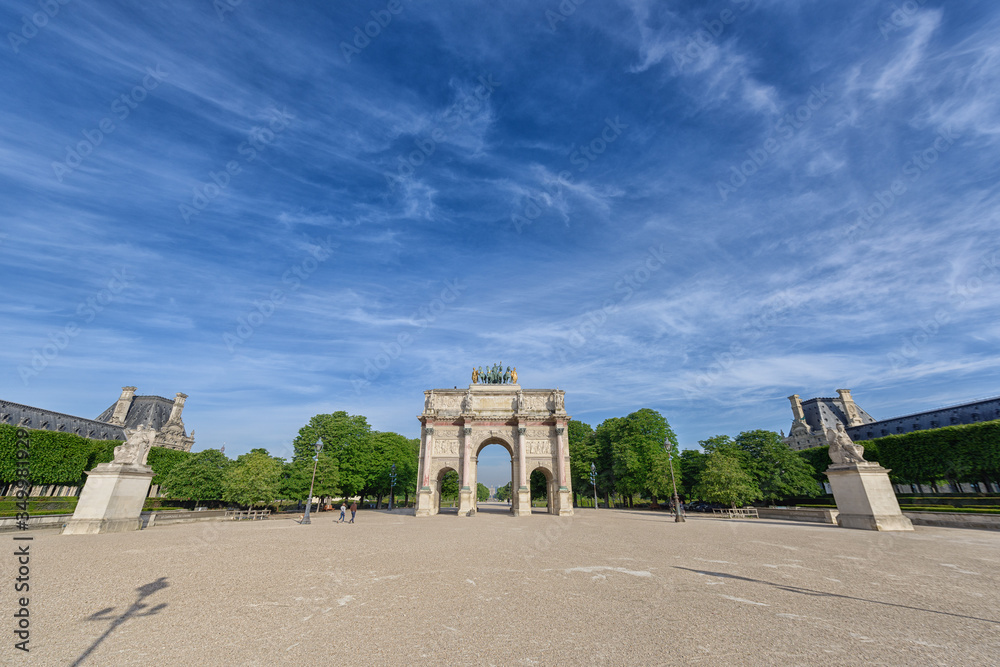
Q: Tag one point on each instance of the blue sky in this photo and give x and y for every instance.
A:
(696, 207)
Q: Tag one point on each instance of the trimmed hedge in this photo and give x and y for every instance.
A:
(62, 458)
(968, 453)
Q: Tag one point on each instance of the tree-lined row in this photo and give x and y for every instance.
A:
(629, 455)
(354, 461)
(630, 459)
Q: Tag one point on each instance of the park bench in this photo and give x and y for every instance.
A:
(738, 513)
(247, 515)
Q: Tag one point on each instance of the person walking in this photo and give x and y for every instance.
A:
(343, 511)
(354, 510)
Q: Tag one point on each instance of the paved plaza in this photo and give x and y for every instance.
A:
(607, 587)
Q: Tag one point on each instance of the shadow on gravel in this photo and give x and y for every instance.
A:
(815, 593)
(137, 609)
(503, 510)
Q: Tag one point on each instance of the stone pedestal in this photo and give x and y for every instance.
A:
(522, 504)
(864, 497)
(111, 500)
(425, 502)
(565, 505)
(466, 502)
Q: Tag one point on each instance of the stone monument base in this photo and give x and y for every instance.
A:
(111, 500)
(425, 502)
(865, 499)
(466, 502)
(522, 506)
(565, 506)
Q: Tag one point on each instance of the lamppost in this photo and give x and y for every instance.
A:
(392, 484)
(309, 500)
(678, 517)
(593, 480)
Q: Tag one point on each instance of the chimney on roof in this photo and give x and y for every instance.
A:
(175, 412)
(122, 406)
(850, 409)
(797, 414)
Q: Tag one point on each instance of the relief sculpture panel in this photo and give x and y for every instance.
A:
(538, 447)
(536, 403)
(493, 403)
(446, 447)
(448, 403)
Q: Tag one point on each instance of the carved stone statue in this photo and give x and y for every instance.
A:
(843, 450)
(513, 375)
(429, 403)
(135, 449)
(521, 407)
(467, 402)
(558, 400)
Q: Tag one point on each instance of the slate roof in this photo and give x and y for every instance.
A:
(153, 411)
(827, 412)
(30, 417)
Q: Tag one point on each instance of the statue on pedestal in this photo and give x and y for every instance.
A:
(843, 450)
(135, 449)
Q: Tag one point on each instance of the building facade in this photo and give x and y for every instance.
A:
(811, 419)
(163, 415)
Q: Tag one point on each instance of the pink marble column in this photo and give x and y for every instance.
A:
(466, 457)
(428, 453)
(522, 472)
(561, 453)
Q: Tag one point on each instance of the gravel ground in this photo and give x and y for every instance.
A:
(605, 587)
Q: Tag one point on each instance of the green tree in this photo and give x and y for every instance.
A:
(718, 443)
(539, 485)
(779, 472)
(818, 458)
(385, 449)
(254, 479)
(449, 485)
(199, 477)
(725, 480)
(582, 452)
(297, 476)
(604, 437)
(482, 492)
(639, 461)
(347, 438)
(690, 467)
(503, 493)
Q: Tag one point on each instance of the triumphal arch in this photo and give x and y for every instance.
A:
(530, 424)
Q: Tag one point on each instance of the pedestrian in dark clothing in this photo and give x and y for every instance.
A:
(354, 510)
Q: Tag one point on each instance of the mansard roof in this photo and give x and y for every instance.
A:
(30, 417)
(153, 411)
(828, 412)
